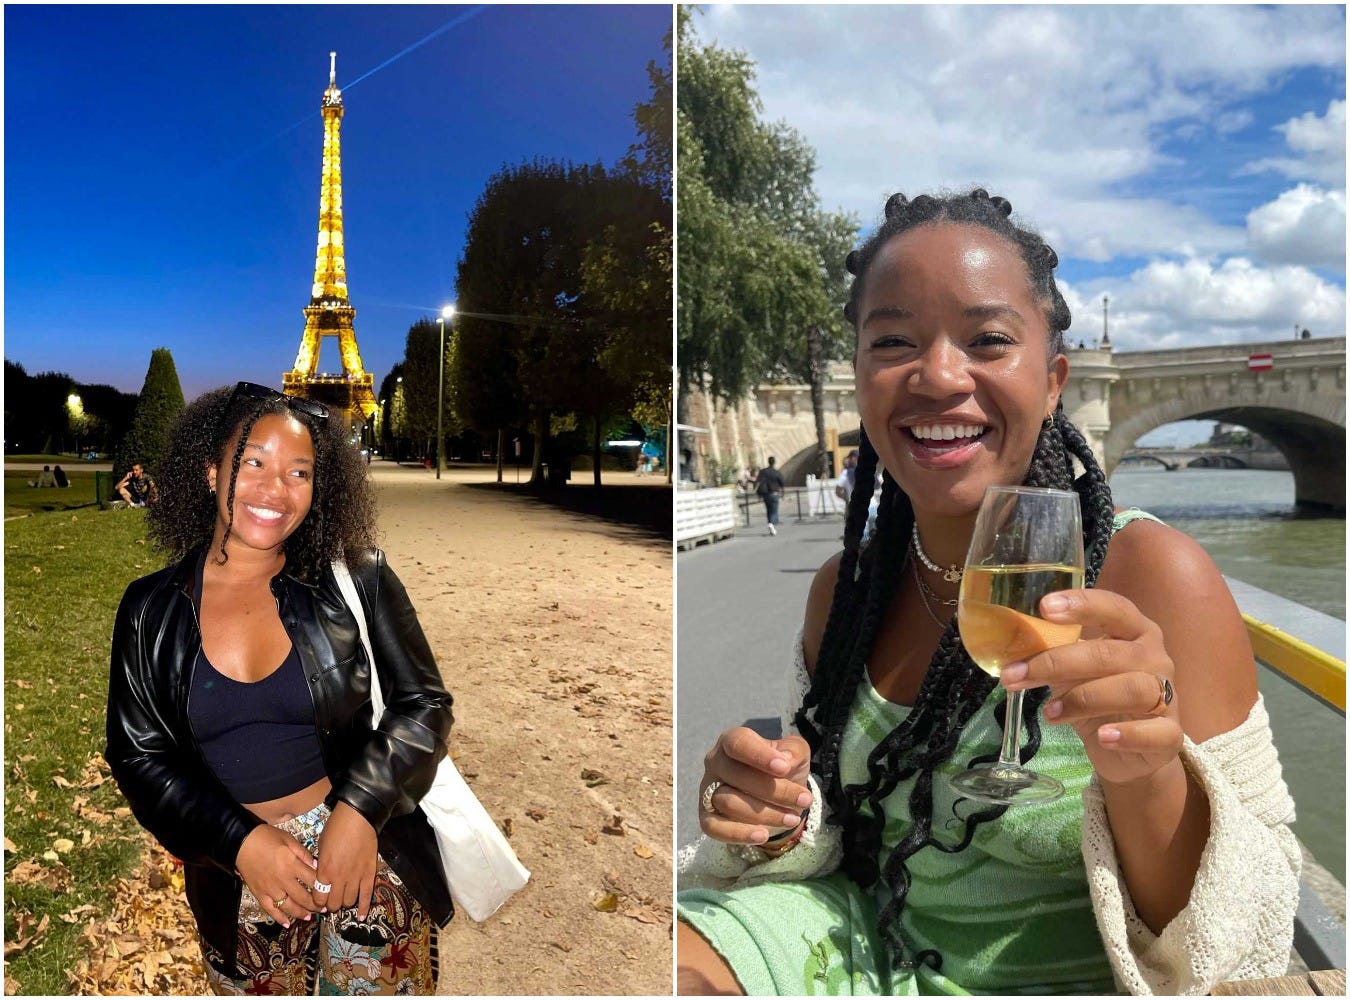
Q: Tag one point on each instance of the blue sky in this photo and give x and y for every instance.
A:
(162, 167)
(1187, 161)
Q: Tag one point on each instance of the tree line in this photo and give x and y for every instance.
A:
(761, 263)
(50, 413)
(562, 335)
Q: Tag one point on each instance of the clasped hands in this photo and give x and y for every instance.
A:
(285, 878)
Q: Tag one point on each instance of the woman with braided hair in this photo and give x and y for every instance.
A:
(837, 860)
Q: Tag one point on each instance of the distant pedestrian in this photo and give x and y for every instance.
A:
(843, 489)
(770, 488)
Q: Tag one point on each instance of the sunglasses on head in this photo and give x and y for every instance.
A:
(253, 390)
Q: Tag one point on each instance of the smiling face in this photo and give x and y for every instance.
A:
(275, 486)
(954, 373)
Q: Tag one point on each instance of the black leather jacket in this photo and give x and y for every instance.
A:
(382, 774)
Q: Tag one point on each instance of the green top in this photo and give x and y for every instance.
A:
(1013, 909)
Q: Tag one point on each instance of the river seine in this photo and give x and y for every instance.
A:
(1246, 521)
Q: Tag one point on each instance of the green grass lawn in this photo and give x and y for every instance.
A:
(64, 576)
(20, 498)
(44, 459)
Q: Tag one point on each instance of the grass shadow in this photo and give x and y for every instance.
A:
(647, 511)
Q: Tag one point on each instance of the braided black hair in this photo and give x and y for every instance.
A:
(953, 688)
(341, 518)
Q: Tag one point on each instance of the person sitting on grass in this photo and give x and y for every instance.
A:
(136, 487)
(60, 478)
(44, 479)
(839, 860)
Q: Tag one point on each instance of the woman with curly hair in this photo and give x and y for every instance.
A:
(240, 718)
(838, 859)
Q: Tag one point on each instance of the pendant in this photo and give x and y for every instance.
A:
(952, 575)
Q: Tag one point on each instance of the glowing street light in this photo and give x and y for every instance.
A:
(447, 314)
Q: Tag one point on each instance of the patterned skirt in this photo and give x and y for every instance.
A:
(391, 952)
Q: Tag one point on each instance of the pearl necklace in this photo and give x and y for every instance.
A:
(952, 575)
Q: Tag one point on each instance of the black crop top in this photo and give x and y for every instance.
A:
(258, 738)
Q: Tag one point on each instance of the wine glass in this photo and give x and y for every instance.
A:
(1028, 542)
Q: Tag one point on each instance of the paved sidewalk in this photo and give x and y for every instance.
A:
(740, 603)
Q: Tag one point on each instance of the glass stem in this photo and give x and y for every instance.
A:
(1012, 731)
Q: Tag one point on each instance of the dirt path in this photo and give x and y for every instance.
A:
(553, 632)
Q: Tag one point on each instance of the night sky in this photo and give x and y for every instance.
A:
(162, 167)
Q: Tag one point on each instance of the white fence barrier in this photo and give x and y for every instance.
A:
(705, 514)
(822, 498)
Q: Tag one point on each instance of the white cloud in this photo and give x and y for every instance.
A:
(1305, 225)
(1319, 141)
(1195, 302)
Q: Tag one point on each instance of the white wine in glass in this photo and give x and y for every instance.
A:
(1028, 542)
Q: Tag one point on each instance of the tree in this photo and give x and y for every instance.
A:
(161, 400)
(421, 386)
(762, 284)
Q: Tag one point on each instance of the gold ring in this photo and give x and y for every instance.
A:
(707, 801)
(1165, 695)
(279, 903)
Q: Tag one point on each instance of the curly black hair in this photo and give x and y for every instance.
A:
(341, 519)
(953, 688)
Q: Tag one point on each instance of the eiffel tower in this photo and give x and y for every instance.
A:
(329, 313)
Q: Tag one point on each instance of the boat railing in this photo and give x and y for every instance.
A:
(1307, 649)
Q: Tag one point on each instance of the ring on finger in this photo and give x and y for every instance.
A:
(706, 801)
(1165, 695)
(279, 903)
(322, 887)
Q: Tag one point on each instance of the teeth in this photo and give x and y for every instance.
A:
(266, 515)
(946, 432)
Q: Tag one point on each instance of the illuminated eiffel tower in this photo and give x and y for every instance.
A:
(329, 313)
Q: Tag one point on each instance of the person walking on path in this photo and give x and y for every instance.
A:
(770, 487)
(843, 489)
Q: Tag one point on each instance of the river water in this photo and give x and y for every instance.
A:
(1246, 521)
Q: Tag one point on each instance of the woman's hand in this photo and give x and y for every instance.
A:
(1107, 687)
(762, 787)
(276, 868)
(348, 849)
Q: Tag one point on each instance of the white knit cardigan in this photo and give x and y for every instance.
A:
(1238, 924)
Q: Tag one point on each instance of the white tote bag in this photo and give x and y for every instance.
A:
(480, 866)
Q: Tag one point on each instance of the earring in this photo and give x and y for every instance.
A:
(1048, 422)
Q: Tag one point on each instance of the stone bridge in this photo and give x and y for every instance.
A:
(1298, 405)
(1207, 458)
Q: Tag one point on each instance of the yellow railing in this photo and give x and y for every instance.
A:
(1307, 666)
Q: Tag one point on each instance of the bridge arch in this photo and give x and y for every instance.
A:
(1309, 433)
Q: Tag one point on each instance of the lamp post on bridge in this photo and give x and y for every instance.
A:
(447, 313)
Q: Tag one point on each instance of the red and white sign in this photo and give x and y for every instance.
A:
(1260, 362)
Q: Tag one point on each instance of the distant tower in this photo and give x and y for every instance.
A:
(1106, 333)
(329, 313)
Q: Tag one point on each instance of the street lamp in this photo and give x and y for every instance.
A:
(447, 313)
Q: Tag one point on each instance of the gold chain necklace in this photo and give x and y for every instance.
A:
(924, 597)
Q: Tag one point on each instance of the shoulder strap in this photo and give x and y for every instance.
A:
(348, 588)
(1132, 514)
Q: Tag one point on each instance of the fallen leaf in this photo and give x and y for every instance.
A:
(508, 826)
(643, 851)
(18, 945)
(535, 814)
(61, 782)
(614, 827)
(642, 915)
(51, 855)
(607, 903)
(63, 846)
(56, 878)
(9, 846)
(37, 570)
(22, 684)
